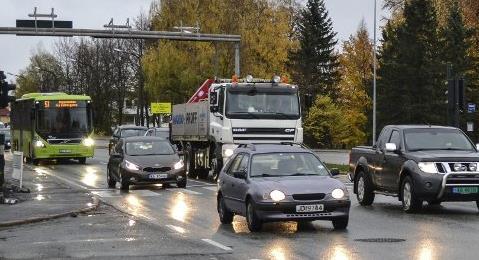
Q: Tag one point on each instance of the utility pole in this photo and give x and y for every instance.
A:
(374, 76)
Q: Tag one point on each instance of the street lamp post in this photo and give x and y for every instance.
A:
(374, 76)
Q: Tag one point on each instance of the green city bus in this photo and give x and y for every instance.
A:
(52, 126)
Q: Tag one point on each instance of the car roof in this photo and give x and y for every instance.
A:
(420, 126)
(144, 138)
(161, 128)
(271, 148)
(132, 127)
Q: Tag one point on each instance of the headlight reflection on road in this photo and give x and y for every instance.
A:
(90, 177)
(180, 209)
(133, 203)
(426, 251)
(339, 252)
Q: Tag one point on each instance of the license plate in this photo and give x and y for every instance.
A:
(465, 190)
(65, 151)
(158, 176)
(310, 208)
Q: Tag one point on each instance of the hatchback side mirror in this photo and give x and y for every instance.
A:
(240, 174)
(334, 171)
(391, 147)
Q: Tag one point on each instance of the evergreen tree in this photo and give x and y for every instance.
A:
(315, 63)
(411, 76)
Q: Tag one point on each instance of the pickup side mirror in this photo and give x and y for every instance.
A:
(334, 171)
(240, 175)
(391, 147)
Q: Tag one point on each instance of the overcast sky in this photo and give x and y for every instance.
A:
(15, 51)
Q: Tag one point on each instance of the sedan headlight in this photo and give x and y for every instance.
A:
(39, 144)
(132, 166)
(277, 195)
(88, 141)
(428, 167)
(179, 165)
(337, 194)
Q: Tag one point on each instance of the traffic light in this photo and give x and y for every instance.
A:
(5, 88)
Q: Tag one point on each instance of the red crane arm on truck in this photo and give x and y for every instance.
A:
(202, 92)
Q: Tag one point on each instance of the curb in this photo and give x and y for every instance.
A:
(95, 204)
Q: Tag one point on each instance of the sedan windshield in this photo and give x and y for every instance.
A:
(436, 139)
(137, 148)
(286, 164)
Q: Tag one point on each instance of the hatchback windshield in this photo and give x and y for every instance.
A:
(148, 148)
(436, 139)
(286, 164)
(132, 132)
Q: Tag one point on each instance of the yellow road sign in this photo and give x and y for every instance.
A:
(161, 108)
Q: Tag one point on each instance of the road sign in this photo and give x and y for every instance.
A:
(470, 126)
(44, 24)
(471, 108)
(161, 108)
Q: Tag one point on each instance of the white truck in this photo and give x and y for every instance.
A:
(234, 112)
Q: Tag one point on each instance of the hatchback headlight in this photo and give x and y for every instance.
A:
(132, 166)
(277, 195)
(337, 194)
(88, 141)
(179, 165)
(428, 167)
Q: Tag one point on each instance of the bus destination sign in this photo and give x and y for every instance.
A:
(63, 103)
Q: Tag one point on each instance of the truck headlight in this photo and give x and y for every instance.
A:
(88, 141)
(39, 144)
(132, 166)
(179, 165)
(277, 195)
(428, 167)
(337, 194)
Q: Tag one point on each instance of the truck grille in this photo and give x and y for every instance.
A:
(312, 196)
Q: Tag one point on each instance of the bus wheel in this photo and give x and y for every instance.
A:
(82, 160)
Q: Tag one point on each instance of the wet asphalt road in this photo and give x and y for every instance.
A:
(172, 222)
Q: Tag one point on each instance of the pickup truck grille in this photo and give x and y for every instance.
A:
(463, 179)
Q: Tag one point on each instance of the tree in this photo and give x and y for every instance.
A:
(411, 75)
(325, 123)
(356, 81)
(315, 63)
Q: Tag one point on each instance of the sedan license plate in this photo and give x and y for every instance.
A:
(465, 190)
(310, 208)
(158, 176)
(65, 151)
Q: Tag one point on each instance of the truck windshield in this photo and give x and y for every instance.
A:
(286, 164)
(436, 139)
(261, 104)
(63, 120)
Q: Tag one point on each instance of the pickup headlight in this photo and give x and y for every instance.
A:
(428, 167)
(132, 166)
(179, 165)
(88, 141)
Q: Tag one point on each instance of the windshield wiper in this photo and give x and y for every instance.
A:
(301, 174)
(266, 175)
(245, 113)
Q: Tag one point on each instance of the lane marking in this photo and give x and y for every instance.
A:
(118, 193)
(214, 243)
(176, 229)
(211, 188)
(127, 239)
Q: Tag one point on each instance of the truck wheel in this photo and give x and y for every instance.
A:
(226, 216)
(410, 202)
(365, 193)
(190, 165)
(82, 160)
(341, 223)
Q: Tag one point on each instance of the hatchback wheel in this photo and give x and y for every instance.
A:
(226, 216)
(364, 188)
(124, 184)
(182, 183)
(111, 181)
(410, 202)
(341, 223)
(254, 223)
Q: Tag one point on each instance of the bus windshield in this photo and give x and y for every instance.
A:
(63, 120)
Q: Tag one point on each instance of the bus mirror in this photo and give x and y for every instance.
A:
(214, 109)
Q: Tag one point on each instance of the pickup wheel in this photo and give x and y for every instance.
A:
(410, 202)
(365, 191)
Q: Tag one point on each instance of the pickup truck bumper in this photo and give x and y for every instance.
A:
(448, 187)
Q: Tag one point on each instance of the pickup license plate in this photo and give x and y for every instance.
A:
(65, 151)
(310, 208)
(158, 176)
(465, 190)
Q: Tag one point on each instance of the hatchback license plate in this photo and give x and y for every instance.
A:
(310, 208)
(158, 176)
(465, 190)
(65, 151)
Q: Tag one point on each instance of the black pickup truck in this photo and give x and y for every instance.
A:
(417, 163)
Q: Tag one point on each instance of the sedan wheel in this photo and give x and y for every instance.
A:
(124, 184)
(340, 223)
(111, 182)
(226, 216)
(254, 223)
(410, 202)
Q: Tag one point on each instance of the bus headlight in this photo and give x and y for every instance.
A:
(39, 144)
(88, 141)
